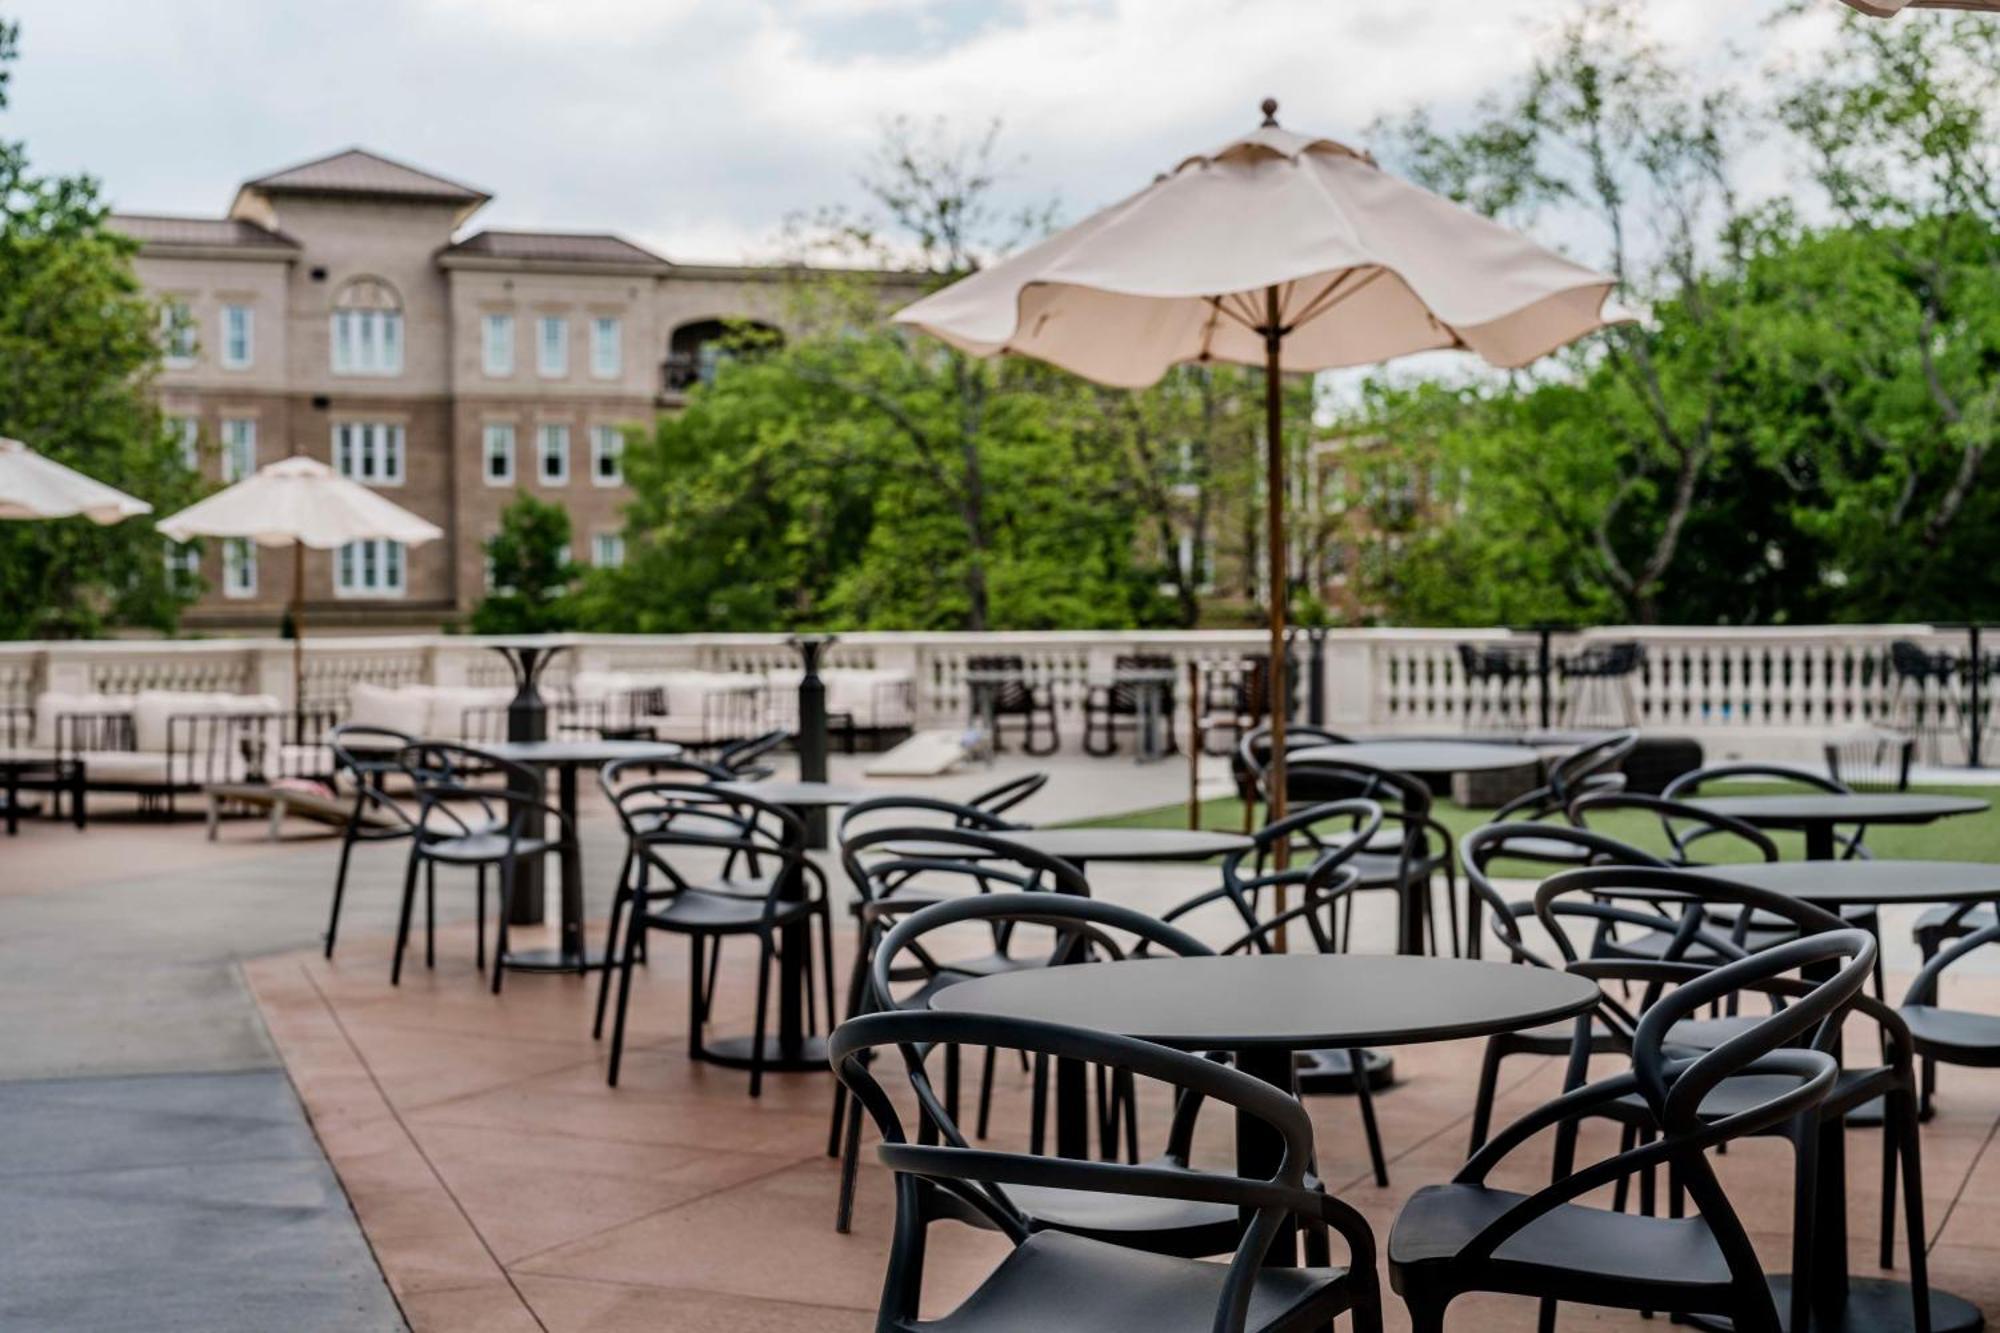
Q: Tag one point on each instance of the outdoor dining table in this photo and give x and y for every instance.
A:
(1819, 814)
(565, 756)
(1841, 1301)
(792, 1047)
(1266, 1008)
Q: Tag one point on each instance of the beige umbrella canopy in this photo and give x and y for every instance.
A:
(301, 503)
(1280, 250)
(32, 486)
(1883, 9)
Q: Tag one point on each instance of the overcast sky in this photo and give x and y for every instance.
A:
(696, 126)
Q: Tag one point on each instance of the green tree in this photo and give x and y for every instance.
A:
(78, 344)
(532, 574)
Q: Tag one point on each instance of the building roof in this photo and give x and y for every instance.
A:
(358, 171)
(227, 233)
(556, 247)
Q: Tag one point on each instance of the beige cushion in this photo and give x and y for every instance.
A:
(150, 768)
(450, 703)
(869, 696)
(152, 709)
(50, 705)
(19, 753)
(405, 708)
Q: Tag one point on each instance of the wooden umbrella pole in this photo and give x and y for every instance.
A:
(1194, 744)
(1274, 525)
(298, 642)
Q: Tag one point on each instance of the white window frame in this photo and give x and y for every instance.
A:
(230, 359)
(496, 345)
(367, 342)
(607, 347)
(370, 452)
(183, 560)
(187, 426)
(239, 448)
(500, 433)
(607, 544)
(546, 434)
(178, 342)
(607, 442)
(239, 567)
(552, 357)
(364, 570)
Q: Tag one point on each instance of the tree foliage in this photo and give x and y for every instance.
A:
(78, 344)
(532, 577)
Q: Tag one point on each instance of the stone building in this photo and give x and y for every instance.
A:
(343, 309)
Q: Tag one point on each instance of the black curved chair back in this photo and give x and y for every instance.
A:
(922, 864)
(1253, 750)
(371, 755)
(1689, 785)
(1592, 767)
(618, 772)
(931, 1176)
(1694, 824)
(1479, 849)
(442, 773)
(694, 818)
(998, 800)
(743, 758)
(913, 811)
(1322, 840)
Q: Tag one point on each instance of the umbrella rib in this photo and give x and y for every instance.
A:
(1219, 305)
(1336, 292)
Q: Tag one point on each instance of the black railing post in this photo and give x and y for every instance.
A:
(528, 720)
(1316, 676)
(811, 740)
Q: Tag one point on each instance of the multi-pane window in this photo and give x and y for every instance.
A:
(607, 351)
(239, 568)
(186, 431)
(239, 448)
(369, 451)
(369, 569)
(497, 344)
(183, 567)
(554, 453)
(607, 550)
(552, 346)
(177, 341)
(238, 337)
(499, 449)
(367, 342)
(607, 456)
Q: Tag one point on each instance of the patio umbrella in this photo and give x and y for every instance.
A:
(1281, 250)
(1883, 9)
(32, 486)
(301, 503)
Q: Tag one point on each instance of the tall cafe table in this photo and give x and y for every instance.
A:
(1840, 1301)
(792, 1047)
(1265, 1008)
(1819, 814)
(566, 757)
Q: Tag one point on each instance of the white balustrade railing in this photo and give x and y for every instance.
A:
(1765, 692)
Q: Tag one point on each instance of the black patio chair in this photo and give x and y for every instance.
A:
(1950, 1036)
(1062, 1280)
(474, 827)
(1252, 759)
(1468, 1236)
(680, 901)
(1597, 672)
(1015, 696)
(1687, 786)
(1411, 849)
(1106, 706)
(1002, 797)
(746, 758)
(909, 970)
(1478, 851)
(1496, 678)
(1925, 682)
(370, 756)
(1871, 759)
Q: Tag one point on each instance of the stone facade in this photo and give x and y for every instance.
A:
(342, 309)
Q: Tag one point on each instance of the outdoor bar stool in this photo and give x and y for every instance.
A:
(1709, 898)
(1600, 676)
(1468, 1236)
(480, 827)
(678, 857)
(1054, 1279)
(1013, 695)
(1104, 706)
(1924, 683)
(1495, 680)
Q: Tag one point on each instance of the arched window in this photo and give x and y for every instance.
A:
(697, 348)
(367, 329)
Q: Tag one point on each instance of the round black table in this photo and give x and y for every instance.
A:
(1081, 846)
(1818, 814)
(566, 756)
(1265, 1008)
(792, 1047)
(1843, 1302)
(1422, 758)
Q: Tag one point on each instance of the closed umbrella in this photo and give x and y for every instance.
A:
(1883, 9)
(32, 486)
(304, 504)
(1281, 250)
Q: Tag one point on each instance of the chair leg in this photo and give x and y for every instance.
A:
(765, 947)
(504, 910)
(697, 994)
(1365, 1098)
(1913, 1206)
(621, 897)
(714, 967)
(403, 921)
(430, 914)
(850, 1167)
(1891, 1146)
(986, 1091)
(339, 890)
(1482, 1101)
(1805, 1203)
(1426, 1312)
(479, 939)
(625, 959)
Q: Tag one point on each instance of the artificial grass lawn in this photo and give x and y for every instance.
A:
(1964, 838)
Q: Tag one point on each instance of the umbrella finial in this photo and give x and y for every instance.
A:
(1271, 111)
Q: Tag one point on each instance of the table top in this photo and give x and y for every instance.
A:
(1283, 1001)
(803, 795)
(580, 750)
(1851, 883)
(1421, 756)
(1818, 807)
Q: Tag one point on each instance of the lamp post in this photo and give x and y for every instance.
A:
(811, 739)
(528, 720)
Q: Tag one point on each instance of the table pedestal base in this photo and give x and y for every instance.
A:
(808, 1056)
(553, 960)
(1874, 1305)
(1333, 1071)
